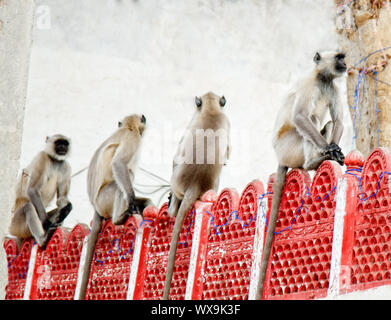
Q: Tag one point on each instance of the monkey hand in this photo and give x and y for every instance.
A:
(330, 149)
(64, 212)
(339, 157)
(49, 225)
(335, 153)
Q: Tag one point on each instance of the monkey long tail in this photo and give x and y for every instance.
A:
(278, 187)
(185, 206)
(92, 239)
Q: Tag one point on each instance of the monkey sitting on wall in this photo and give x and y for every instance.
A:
(49, 174)
(109, 183)
(202, 152)
(299, 139)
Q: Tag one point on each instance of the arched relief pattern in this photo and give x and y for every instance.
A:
(159, 247)
(110, 267)
(56, 267)
(232, 227)
(17, 262)
(300, 261)
(371, 254)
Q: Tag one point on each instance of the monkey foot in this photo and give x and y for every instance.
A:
(45, 239)
(134, 209)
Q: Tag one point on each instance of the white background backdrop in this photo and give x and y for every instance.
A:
(94, 62)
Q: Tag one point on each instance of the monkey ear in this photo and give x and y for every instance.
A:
(198, 102)
(222, 101)
(119, 124)
(317, 58)
(47, 138)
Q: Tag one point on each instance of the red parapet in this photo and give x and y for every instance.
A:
(332, 237)
(112, 260)
(56, 267)
(155, 266)
(141, 251)
(370, 254)
(229, 250)
(249, 203)
(300, 261)
(17, 262)
(344, 220)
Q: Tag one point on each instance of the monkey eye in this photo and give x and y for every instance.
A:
(222, 101)
(119, 124)
(198, 102)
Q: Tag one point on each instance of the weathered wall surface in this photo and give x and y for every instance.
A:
(364, 32)
(16, 18)
(91, 65)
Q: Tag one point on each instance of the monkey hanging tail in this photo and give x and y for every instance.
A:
(91, 244)
(190, 197)
(278, 187)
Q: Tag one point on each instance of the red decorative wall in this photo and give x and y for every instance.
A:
(56, 267)
(368, 253)
(332, 237)
(300, 260)
(110, 267)
(17, 261)
(230, 244)
(156, 259)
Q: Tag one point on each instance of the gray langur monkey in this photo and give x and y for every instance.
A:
(49, 174)
(202, 152)
(299, 139)
(109, 183)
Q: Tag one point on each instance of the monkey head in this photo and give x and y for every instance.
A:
(330, 64)
(134, 122)
(210, 103)
(58, 147)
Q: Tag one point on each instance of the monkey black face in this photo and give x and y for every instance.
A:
(61, 146)
(340, 65)
(330, 64)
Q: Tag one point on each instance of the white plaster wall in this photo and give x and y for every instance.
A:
(94, 62)
(16, 18)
